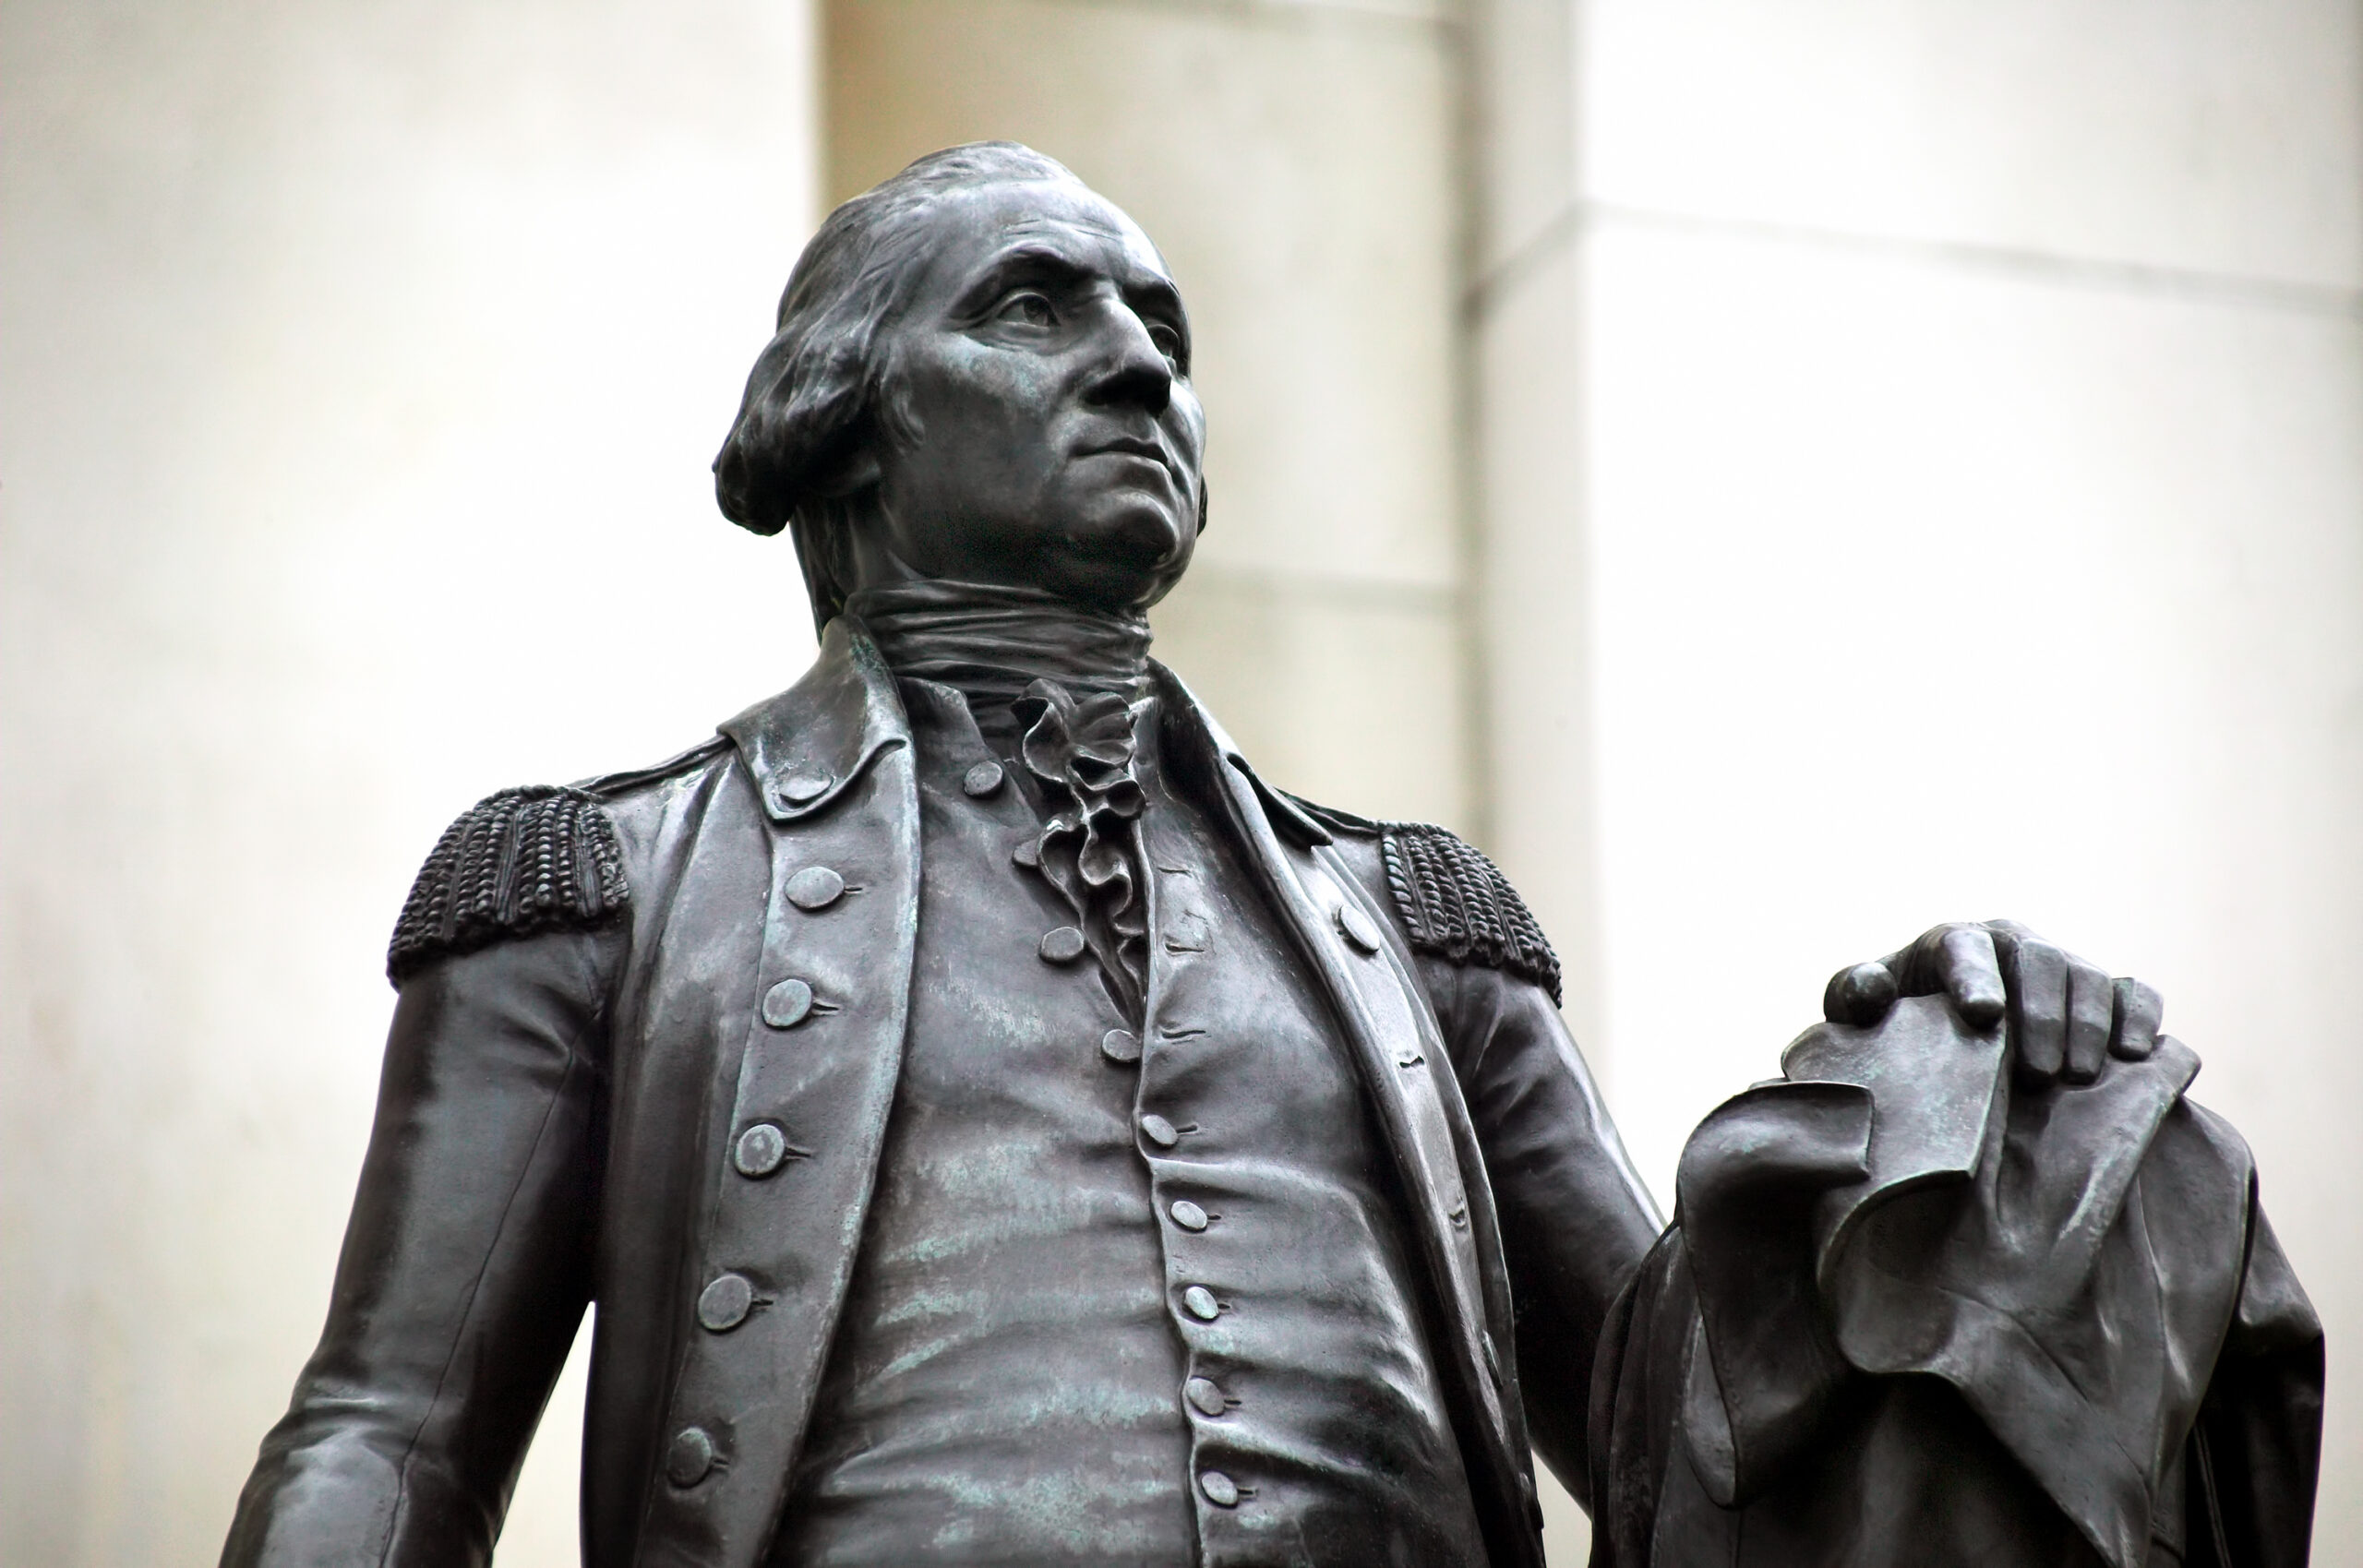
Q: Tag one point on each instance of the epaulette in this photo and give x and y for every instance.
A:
(1457, 904)
(541, 859)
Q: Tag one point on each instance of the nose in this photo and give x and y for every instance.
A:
(1132, 374)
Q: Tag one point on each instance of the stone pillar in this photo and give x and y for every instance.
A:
(1972, 425)
(1522, 315)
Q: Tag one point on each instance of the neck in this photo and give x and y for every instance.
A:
(989, 642)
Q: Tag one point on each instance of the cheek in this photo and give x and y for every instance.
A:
(1190, 426)
(982, 447)
(985, 402)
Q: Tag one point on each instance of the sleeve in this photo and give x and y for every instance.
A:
(1575, 1220)
(467, 1260)
(2256, 1451)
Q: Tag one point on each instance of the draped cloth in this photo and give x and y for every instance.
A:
(1911, 1311)
(1060, 689)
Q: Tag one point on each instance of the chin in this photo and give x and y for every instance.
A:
(1150, 531)
(1127, 552)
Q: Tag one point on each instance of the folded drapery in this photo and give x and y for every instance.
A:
(1912, 1311)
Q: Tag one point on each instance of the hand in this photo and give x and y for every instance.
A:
(2067, 1016)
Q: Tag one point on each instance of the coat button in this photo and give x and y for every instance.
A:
(1188, 1215)
(1200, 1303)
(981, 780)
(802, 789)
(1062, 945)
(1121, 1044)
(815, 887)
(690, 1457)
(787, 1004)
(1357, 927)
(1220, 1489)
(1161, 1132)
(1026, 852)
(761, 1149)
(723, 1305)
(1203, 1398)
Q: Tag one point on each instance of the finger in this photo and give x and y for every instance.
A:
(2038, 989)
(1971, 973)
(1860, 996)
(2139, 1010)
(2091, 1008)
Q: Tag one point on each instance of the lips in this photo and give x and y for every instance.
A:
(1132, 447)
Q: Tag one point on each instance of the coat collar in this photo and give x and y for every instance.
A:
(1191, 720)
(807, 744)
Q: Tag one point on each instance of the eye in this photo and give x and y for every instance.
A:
(1030, 308)
(1168, 343)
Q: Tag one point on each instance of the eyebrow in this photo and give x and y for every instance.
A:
(1034, 259)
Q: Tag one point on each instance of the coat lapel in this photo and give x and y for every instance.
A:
(819, 1048)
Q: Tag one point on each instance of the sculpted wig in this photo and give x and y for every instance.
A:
(825, 386)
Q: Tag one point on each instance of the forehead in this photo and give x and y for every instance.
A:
(976, 228)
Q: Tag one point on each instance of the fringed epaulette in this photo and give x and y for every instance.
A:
(1457, 904)
(541, 859)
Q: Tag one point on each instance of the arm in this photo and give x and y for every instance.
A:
(2256, 1449)
(1575, 1218)
(465, 1268)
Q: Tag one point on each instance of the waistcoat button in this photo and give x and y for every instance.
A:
(1161, 1132)
(1203, 1396)
(1121, 1044)
(1026, 852)
(981, 780)
(1062, 945)
(690, 1458)
(1220, 1489)
(1200, 1303)
(815, 887)
(761, 1149)
(723, 1305)
(1357, 927)
(787, 1004)
(1188, 1215)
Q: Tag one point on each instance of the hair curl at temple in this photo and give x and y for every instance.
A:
(824, 384)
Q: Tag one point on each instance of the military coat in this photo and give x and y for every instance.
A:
(577, 1106)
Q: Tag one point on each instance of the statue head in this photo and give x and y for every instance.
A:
(981, 373)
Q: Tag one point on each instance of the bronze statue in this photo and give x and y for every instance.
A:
(997, 1126)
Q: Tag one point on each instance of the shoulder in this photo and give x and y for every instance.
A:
(541, 857)
(1453, 901)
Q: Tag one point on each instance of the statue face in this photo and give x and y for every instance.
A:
(1054, 440)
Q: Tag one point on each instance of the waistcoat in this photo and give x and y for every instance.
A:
(1132, 1289)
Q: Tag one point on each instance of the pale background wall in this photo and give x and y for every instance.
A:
(1780, 475)
(362, 364)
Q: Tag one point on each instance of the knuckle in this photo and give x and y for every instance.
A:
(2036, 953)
